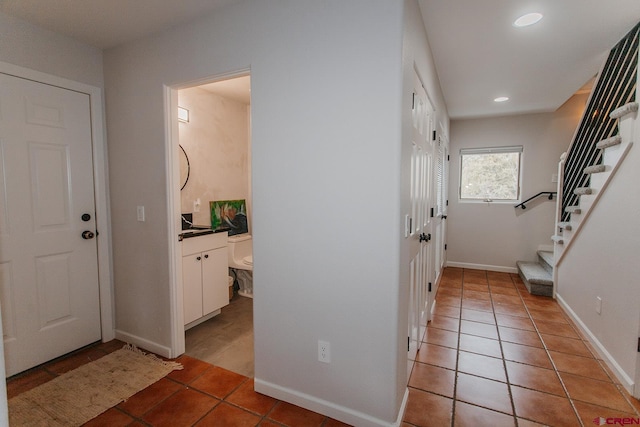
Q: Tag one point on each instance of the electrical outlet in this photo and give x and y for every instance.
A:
(324, 351)
(598, 305)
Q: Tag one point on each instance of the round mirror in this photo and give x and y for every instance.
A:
(185, 168)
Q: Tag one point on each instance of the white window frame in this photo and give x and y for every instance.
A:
(492, 150)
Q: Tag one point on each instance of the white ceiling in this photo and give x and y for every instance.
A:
(108, 23)
(479, 55)
(238, 89)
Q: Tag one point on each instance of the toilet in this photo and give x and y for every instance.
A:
(241, 262)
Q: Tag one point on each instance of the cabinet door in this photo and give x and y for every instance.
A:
(215, 283)
(192, 287)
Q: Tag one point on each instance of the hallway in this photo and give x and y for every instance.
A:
(494, 355)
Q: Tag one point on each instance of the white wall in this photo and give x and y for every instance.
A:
(603, 262)
(216, 140)
(512, 234)
(26, 45)
(326, 92)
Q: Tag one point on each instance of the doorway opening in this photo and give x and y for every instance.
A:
(214, 157)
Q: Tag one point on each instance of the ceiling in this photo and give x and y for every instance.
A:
(479, 55)
(108, 23)
(237, 89)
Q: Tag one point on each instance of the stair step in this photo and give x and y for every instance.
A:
(573, 210)
(581, 191)
(546, 260)
(537, 280)
(594, 169)
(609, 142)
(558, 239)
(629, 108)
(565, 225)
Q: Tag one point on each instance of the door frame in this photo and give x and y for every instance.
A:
(100, 179)
(174, 224)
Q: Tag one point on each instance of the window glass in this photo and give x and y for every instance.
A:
(490, 174)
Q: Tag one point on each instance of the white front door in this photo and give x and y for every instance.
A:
(48, 265)
(419, 224)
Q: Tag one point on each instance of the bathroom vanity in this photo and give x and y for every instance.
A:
(205, 275)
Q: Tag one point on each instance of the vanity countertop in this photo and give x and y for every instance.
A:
(199, 231)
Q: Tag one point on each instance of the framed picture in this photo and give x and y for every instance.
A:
(230, 215)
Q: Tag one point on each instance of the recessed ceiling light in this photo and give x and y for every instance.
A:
(501, 99)
(528, 19)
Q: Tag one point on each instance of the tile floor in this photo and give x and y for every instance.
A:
(199, 395)
(494, 355)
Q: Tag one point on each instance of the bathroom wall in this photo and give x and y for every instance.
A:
(216, 140)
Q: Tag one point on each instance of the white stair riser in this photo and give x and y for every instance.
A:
(626, 126)
(597, 180)
(612, 154)
(586, 201)
(566, 234)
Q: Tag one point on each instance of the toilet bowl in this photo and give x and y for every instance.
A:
(241, 262)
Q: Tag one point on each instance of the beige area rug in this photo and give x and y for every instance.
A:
(84, 393)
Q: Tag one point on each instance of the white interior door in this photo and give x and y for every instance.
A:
(420, 217)
(48, 271)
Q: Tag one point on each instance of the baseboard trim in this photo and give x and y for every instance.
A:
(330, 409)
(470, 266)
(144, 344)
(627, 382)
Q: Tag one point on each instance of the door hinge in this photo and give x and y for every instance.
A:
(638, 345)
(447, 204)
(448, 158)
(445, 246)
(431, 212)
(429, 286)
(434, 135)
(408, 343)
(413, 101)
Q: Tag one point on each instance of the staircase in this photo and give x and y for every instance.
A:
(614, 150)
(538, 276)
(601, 142)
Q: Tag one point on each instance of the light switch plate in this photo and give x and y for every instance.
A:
(140, 213)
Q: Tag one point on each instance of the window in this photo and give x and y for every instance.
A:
(490, 174)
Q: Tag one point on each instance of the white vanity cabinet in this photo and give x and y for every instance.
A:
(205, 276)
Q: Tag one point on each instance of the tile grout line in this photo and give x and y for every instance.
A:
(504, 360)
(455, 375)
(553, 363)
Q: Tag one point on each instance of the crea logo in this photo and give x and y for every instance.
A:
(623, 421)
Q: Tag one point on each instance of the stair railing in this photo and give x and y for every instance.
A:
(614, 87)
(549, 194)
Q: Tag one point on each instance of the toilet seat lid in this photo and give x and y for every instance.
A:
(248, 260)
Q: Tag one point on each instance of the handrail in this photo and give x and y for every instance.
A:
(522, 205)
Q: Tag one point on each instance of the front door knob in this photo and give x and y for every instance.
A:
(87, 235)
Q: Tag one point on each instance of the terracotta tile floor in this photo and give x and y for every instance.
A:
(199, 395)
(494, 355)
